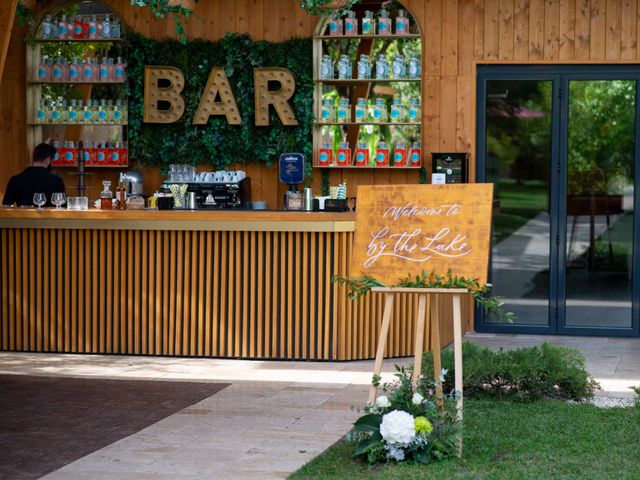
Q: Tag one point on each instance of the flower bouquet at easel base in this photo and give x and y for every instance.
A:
(407, 423)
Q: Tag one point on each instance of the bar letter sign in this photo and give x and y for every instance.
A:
(407, 229)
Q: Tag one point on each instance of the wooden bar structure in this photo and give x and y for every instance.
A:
(200, 284)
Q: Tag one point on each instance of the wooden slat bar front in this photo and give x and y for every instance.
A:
(203, 284)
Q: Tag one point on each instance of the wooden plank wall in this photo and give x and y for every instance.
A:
(262, 295)
(456, 34)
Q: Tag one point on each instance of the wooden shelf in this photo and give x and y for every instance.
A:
(328, 124)
(355, 81)
(382, 37)
(79, 40)
(36, 124)
(38, 82)
(369, 167)
(86, 165)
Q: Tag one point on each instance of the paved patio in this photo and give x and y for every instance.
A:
(273, 418)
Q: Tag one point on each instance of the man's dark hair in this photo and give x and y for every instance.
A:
(43, 151)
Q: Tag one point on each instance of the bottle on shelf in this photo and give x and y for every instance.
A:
(87, 113)
(384, 23)
(60, 71)
(414, 110)
(382, 67)
(362, 155)
(343, 158)
(90, 71)
(121, 199)
(92, 32)
(120, 73)
(379, 110)
(364, 67)
(41, 113)
(103, 113)
(397, 111)
(106, 197)
(361, 110)
(47, 28)
(344, 111)
(402, 23)
(115, 28)
(72, 113)
(415, 67)
(399, 155)
(326, 154)
(106, 28)
(327, 113)
(104, 70)
(415, 154)
(399, 67)
(75, 71)
(382, 154)
(43, 73)
(350, 24)
(345, 71)
(78, 27)
(326, 68)
(368, 23)
(336, 26)
(63, 28)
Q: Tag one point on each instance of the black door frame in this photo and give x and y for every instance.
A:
(560, 76)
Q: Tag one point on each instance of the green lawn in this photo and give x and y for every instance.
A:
(518, 205)
(502, 440)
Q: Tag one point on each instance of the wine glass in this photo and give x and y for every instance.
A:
(39, 199)
(58, 198)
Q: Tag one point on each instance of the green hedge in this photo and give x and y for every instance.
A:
(218, 143)
(522, 374)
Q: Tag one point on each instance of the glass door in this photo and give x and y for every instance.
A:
(559, 144)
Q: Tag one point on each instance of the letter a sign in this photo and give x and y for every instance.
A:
(407, 229)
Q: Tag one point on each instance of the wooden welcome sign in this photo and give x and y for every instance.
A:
(407, 229)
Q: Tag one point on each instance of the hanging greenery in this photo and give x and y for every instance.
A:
(217, 143)
(162, 8)
(327, 7)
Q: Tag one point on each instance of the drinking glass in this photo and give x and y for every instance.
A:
(39, 199)
(58, 198)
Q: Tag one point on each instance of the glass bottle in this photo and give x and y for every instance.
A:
(327, 113)
(78, 27)
(93, 27)
(87, 113)
(382, 154)
(49, 107)
(364, 67)
(343, 157)
(335, 26)
(120, 74)
(362, 154)
(414, 110)
(64, 111)
(72, 114)
(326, 154)
(350, 24)
(382, 67)
(326, 68)
(106, 28)
(368, 23)
(41, 113)
(344, 68)
(74, 71)
(115, 29)
(106, 197)
(402, 23)
(384, 23)
(380, 110)
(103, 115)
(397, 111)
(414, 155)
(399, 67)
(104, 70)
(399, 155)
(89, 71)
(344, 111)
(121, 200)
(47, 32)
(415, 68)
(110, 111)
(43, 73)
(361, 110)
(63, 28)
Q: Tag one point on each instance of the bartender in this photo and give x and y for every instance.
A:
(36, 178)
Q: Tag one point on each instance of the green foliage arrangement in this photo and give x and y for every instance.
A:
(161, 8)
(217, 143)
(358, 286)
(523, 374)
(407, 423)
(324, 7)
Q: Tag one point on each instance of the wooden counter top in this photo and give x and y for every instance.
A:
(204, 220)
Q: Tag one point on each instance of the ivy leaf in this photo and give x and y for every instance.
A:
(368, 423)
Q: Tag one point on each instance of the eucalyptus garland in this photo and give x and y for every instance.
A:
(217, 143)
(359, 286)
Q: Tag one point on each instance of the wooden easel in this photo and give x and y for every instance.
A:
(427, 299)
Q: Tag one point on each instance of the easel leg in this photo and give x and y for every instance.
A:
(419, 348)
(457, 349)
(382, 341)
(435, 342)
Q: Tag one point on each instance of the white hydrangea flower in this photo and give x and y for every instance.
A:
(443, 373)
(397, 427)
(417, 399)
(383, 401)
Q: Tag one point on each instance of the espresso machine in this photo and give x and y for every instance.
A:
(217, 190)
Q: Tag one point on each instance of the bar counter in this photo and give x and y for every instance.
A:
(225, 284)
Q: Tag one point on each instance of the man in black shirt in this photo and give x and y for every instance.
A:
(34, 179)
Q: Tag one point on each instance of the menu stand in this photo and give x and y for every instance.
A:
(427, 300)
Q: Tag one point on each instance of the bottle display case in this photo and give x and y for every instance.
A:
(76, 87)
(368, 89)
